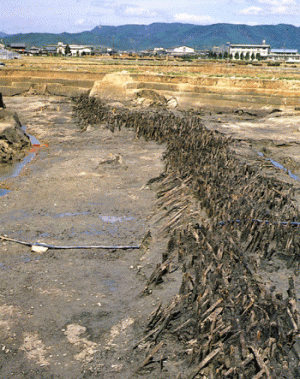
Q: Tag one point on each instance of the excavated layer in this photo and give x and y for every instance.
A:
(193, 90)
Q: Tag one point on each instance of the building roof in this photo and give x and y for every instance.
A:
(249, 45)
(183, 48)
(18, 45)
(284, 51)
(50, 48)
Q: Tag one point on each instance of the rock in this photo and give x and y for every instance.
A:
(149, 97)
(112, 161)
(6, 152)
(172, 103)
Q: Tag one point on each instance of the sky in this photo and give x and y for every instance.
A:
(74, 16)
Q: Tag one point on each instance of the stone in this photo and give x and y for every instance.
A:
(172, 103)
(151, 97)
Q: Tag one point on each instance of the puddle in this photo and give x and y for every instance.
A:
(4, 192)
(67, 214)
(13, 170)
(280, 166)
(111, 284)
(113, 219)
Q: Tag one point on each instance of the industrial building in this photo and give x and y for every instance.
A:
(252, 51)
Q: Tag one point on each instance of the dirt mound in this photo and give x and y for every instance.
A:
(13, 140)
(148, 97)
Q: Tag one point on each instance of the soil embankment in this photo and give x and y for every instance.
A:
(193, 84)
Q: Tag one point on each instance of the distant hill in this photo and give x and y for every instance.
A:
(167, 35)
(2, 35)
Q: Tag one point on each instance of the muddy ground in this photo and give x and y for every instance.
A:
(78, 313)
(65, 310)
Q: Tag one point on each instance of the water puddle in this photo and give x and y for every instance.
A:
(4, 192)
(13, 170)
(280, 166)
(68, 214)
(113, 219)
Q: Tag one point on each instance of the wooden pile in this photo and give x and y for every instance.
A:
(228, 323)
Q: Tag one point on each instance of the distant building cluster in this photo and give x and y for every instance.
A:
(263, 51)
(250, 52)
(15, 50)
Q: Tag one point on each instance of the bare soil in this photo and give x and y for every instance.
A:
(79, 313)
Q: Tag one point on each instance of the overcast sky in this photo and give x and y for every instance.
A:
(56, 16)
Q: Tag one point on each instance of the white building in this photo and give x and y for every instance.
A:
(76, 50)
(252, 51)
(180, 51)
(284, 55)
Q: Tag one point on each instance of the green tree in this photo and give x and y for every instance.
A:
(247, 56)
(225, 55)
(258, 56)
(67, 50)
(252, 56)
(236, 55)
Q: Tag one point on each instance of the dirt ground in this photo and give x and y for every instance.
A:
(78, 313)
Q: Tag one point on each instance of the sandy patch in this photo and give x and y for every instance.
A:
(35, 349)
(88, 348)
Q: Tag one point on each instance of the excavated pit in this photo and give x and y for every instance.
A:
(213, 290)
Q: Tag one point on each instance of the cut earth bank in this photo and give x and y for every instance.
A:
(78, 313)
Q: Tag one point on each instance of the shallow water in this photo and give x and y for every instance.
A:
(280, 166)
(13, 170)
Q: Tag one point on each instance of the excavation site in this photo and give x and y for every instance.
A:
(150, 222)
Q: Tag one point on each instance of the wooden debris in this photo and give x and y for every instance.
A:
(150, 356)
(224, 317)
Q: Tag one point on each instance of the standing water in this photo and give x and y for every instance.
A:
(13, 170)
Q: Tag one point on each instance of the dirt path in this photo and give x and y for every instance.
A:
(77, 313)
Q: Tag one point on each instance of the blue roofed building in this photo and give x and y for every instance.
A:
(286, 55)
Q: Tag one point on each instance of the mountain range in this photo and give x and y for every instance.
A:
(2, 35)
(168, 35)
